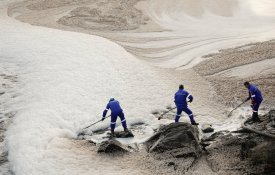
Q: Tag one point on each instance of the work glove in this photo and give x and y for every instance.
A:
(248, 98)
(190, 101)
(104, 113)
(103, 118)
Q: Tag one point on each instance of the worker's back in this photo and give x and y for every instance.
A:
(180, 97)
(255, 93)
(114, 106)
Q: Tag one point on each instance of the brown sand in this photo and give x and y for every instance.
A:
(231, 87)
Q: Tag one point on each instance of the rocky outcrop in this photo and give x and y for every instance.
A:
(265, 128)
(207, 128)
(247, 151)
(263, 155)
(111, 146)
(206, 141)
(177, 150)
(242, 154)
(224, 156)
(175, 146)
(174, 136)
(122, 134)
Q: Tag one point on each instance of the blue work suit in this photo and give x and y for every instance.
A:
(116, 111)
(256, 97)
(180, 100)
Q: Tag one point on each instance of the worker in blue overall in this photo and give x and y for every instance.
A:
(181, 97)
(256, 99)
(116, 111)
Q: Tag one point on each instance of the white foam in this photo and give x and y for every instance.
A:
(197, 27)
(65, 80)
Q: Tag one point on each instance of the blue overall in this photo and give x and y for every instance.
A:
(256, 97)
(116, 111)
(181, 103)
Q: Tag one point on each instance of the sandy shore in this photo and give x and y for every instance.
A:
(228, 69)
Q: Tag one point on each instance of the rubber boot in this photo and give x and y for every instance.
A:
(255, 117)
(249, 121)
(193, 122)
(113, 133)
(126, 130)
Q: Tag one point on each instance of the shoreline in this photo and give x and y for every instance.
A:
(210, 68)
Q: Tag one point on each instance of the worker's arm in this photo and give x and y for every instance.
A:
(190, 97)
(249, 96)
(105, 111)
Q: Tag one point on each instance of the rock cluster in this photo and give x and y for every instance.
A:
(177, 144)
(247, 151)
(111, 146)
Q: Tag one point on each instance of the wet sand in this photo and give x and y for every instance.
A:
(230, 68)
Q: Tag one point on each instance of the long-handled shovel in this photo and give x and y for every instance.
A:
(82, 133)
(236, 108)
(166, 113)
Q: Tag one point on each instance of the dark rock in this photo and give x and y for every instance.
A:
(241, 130)
(175, 146)
(111, 146)
(207, 128)
(215, 136)
(171, 163)
(122, 134)
(242, 154)
(224, 154)
(3, 158)
(245, 148)
(92, 142)
(263, 155)
(271, 114)
(246, 153)
(249, 121)
(185, 153)
(173, 136)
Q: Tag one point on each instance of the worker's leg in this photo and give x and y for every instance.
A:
(113, 122)
(123, 120)
(190, 114)
(179, 111)
(255, 109)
